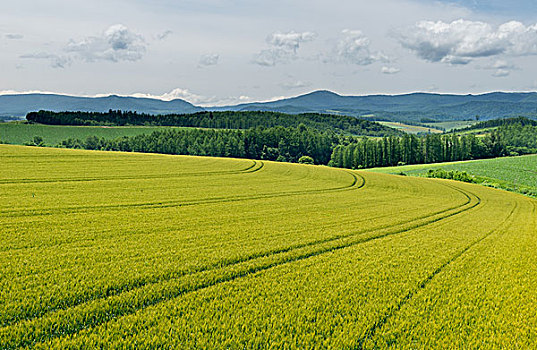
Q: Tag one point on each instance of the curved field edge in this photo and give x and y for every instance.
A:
(326, 219)
(514, 174)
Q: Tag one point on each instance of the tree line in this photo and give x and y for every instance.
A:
(218, 120)
(324, 147)
(278, 143)
(523, 121)
(508, 140)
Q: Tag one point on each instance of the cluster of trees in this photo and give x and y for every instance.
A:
(411, 149)
(218, 120)
(522, 121)
(519, 138)
(305, 144)
(278, 143)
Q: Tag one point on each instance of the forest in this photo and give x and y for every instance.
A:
(508, 140)
(278, 143)
(325, 147)
(523, 121)
(218, 120)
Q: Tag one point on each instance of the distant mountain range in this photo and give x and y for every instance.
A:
(412, 107)
(20, 105)
(409, 107)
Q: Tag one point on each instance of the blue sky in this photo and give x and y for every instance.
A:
(213, 52)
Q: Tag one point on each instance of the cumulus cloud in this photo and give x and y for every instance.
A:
(389, 70)
(196, 99)
(116, 44)
(56, 61)
(354, 47)
(500, 73)
(295, 85)
(210, 59)
(461, 41)
(501, 68)
(13, 36)
(283, 47)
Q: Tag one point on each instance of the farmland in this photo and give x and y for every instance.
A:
(412, 129)
(18, 133)
(517, 174)
(106, 249)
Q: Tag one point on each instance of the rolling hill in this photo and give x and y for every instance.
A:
(20, 105)
(116, 250)
(409, 107)
(412, 107)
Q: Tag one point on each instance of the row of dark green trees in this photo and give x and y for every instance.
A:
(218, 120)
(410, 149)
(278, 143)
(289, 144)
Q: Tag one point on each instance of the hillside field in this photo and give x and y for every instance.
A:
(517, 174)
(127, 250)
(412, 129)
(18, 133)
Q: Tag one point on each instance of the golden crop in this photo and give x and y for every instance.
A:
(103, 249)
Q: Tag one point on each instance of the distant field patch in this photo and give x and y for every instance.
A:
(517, 174)
(451, 125)
(18, 133)
(412, 129)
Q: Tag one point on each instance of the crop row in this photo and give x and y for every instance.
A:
(342, 298)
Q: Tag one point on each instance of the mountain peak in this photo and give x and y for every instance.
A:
(322, 93)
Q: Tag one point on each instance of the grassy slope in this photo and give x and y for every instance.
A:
(517, 174)
(18, 133)
(450, 125)
(136, 250)
(411, 129)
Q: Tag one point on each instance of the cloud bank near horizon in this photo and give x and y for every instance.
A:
(389, 46)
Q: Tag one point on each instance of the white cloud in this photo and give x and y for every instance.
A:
(462, 41)
(116, 44)
(283, 48)
(210, 59)
(353, 48)
(56, 61)
(390, 70)
(295, 85)
(501, 68)
(500, 73)
(196, 99)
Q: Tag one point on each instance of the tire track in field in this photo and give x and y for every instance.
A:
(250, 169)
(392, 311)
(106, 309)
(174, 204)
(115, 290)
(358, 182)
(223, 264)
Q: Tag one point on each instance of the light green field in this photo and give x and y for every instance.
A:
(517, 174)
(18, 133)
(412, 129)
(450, 125)
(125, 250)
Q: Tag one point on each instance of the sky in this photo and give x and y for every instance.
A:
(220, 52)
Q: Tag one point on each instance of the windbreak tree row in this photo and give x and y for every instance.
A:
(280, 144)
(218, 120)
(290, 144)
(410, 149)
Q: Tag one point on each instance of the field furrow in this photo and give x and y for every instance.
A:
(106, 250)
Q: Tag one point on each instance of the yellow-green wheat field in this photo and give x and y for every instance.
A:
(121, 250)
